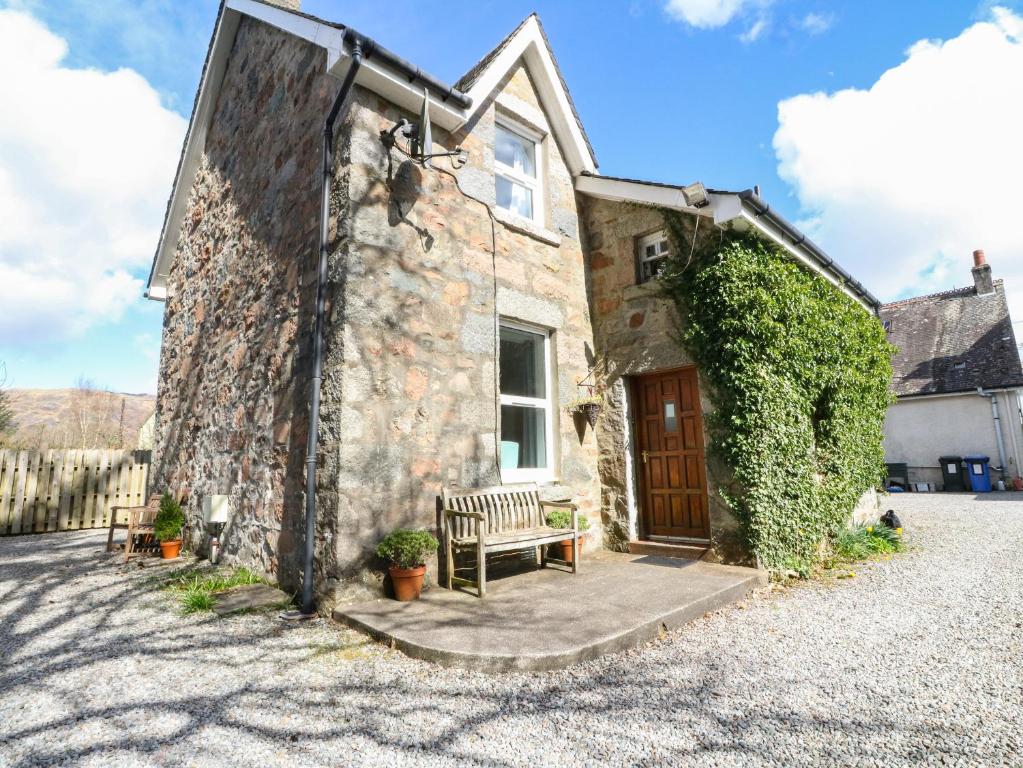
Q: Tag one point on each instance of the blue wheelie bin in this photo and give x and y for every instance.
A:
(979, 472)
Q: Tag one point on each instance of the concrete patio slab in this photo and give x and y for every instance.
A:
(549, 619)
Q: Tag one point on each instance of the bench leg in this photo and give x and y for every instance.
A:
(481, 570)
(110, 537)
(450, 557)
(543, 556)
(575, 553)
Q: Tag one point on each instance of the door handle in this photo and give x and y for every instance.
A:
(645, 455)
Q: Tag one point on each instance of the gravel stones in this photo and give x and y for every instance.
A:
(918, 660)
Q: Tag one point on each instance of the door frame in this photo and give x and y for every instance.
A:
(637, 462)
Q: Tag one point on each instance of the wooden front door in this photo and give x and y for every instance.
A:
(670, 455)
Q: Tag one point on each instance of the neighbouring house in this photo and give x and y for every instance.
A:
(957, 377)
(453, 341)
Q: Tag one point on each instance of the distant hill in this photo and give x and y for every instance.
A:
(77, 418)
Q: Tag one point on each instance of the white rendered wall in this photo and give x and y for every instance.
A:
(919, 430)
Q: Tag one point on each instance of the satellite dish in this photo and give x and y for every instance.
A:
(425, 133)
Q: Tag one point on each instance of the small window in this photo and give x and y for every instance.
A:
(653, 251)
(526, 411)
(517, 177)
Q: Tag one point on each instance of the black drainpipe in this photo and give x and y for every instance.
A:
(361, 47)
(321, 290)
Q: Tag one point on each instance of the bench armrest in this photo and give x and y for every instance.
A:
(559, 504)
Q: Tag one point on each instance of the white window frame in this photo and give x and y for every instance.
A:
(539, 474)
(534, 184)
(651, 239)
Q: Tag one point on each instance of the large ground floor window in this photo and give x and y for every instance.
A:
(526, 404)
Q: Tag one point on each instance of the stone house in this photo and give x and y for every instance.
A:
(465, 304)
(958, 379)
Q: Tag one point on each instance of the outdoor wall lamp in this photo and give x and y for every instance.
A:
(696, 195)
(215, 510)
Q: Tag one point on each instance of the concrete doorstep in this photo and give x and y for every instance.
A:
(549, 619)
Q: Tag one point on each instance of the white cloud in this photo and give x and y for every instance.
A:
(86, 163)
(817, 23)
(752, 34)
(902, 181)
(708, 14)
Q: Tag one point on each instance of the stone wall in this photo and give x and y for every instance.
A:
(410, 394)
(231, 404)
(635, 331)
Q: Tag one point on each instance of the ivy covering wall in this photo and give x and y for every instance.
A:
(798, 377)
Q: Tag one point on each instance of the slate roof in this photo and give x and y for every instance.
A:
(954, 341)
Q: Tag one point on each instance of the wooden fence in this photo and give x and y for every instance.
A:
(68, 489)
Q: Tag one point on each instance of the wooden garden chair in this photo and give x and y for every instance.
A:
(125, 512)
(141, 522)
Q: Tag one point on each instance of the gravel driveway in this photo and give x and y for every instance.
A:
(916, 660)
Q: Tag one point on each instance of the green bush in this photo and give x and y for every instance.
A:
(562, 518)
(406, 547)
(798, 376)
(169, 520)
(859, 542)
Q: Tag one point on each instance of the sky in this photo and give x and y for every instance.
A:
(889, 132)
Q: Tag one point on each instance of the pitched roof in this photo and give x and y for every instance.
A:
(468, 80)
(383, 72)
(953, 341)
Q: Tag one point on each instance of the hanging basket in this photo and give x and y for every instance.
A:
(591, 411)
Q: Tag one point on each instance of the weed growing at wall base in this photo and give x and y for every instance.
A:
(798, 376)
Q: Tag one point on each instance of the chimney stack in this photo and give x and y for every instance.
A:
(982, 274)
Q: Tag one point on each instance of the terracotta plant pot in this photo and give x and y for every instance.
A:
(566, 551)
(170, 549)
(408, 582)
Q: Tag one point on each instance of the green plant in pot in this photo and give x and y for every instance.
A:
(167, 527)
(562, 518)
(406, 550)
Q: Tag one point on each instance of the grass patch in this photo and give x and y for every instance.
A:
(862, 542)
(198, 587)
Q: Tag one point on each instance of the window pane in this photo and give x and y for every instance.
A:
(514, 197)
(515, 152)
(523, 437)
(670, 422)
(522, 363)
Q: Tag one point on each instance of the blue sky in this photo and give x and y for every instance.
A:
(667, 91)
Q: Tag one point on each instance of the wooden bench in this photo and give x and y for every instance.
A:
(501, 519)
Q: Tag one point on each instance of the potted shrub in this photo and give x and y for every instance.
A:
(562, 518)
(167, 527)
(589, 407)
(406, 549)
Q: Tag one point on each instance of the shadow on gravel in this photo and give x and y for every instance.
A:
(455, 709)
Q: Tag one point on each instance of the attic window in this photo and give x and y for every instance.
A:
(516, 171)
(652, 252)
(960, 366)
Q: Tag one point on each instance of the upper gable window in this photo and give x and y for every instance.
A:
(653, 252)
(516, 170)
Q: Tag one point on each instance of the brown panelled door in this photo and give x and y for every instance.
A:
(670, 455)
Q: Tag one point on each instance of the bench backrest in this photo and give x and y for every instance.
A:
(506, 508)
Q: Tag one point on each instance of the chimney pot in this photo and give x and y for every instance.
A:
(978, 258)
